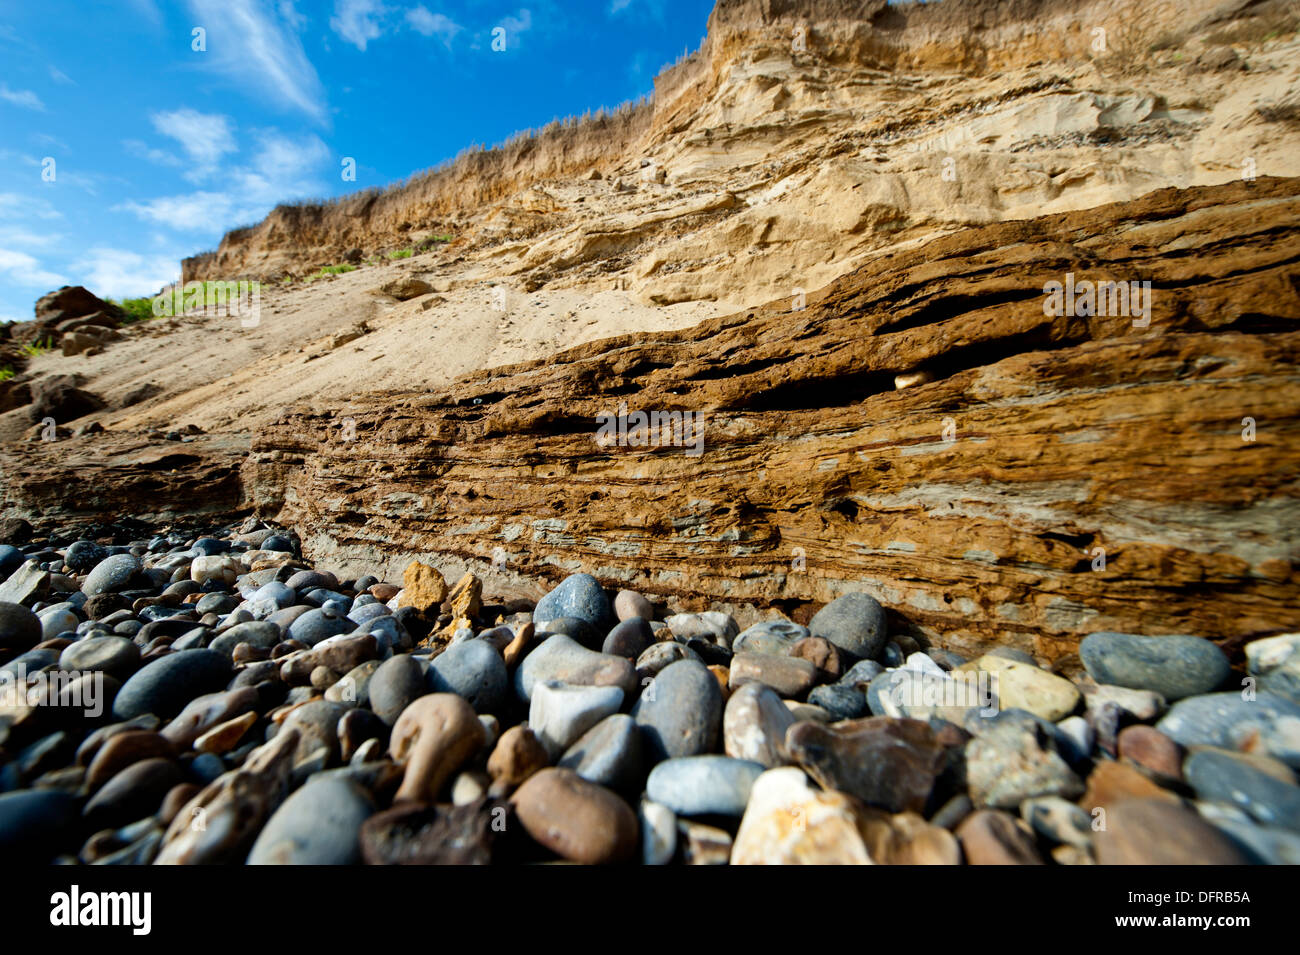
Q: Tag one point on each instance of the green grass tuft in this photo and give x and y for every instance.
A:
(401, 254)
(136, 309)
(6, 373)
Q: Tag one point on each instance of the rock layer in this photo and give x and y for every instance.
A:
(975, 507)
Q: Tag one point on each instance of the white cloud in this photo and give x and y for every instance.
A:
(433, 24)
(143, 151)
(12, 206)
(205, 137)
(24, 98)
(25, 238)
(250, 45)
(618, 6)
(118, 273)
(520, 24)
(357, 21)
(25, 271)
(291, 16)
(59, 76)
(283, 167)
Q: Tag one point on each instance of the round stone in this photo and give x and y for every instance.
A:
(116, 656)
(317, 825)
(473, 669)
(1173, 666)
(680, 711)
(57, 620)
(397, 682)
(576, 628)
(578, 595)
(38, 824)
(630, 638)
(319, 624)
(843, 702)
(20, 629)
(562, 658)
(855, 623)
(1151, 749)
(164, 686)
(703, 785)
(629, 604)
(82, 556)
(111, 575)
(576, 819)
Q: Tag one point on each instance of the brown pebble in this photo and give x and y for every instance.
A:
(993, 837)
(433, 736)
(286, 647)
(120, 751)
(723, 676)
(1110, 782)
(517, 755)
(384, 592)
(322, 678)
(576, 819)
(1152, 750)
(1158, 832)
(247, 653)
(822, 654)
(518, 647)
(225, 736)
(176, 797)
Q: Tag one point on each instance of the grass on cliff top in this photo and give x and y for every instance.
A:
(136, 309)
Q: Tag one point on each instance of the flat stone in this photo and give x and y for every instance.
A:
(164, 686)
(111, 575)
(135, 792)
(754, 725)
(1026, 687)
(560, 713)
(1156, 832)
(885, 762)
(319, 824)
(1268, 723)
(1218, 776)
(841, 701)
(576, 819)
(25, 584)
(561, 658)
(680, 712)
(1014, 761)
(770, 636)
(788, 822)
(1111, 782)
(609, 754)
(1173, 666)
(855, 623)
(788, 676)
(990, 837)
(703, 785)
(319, 624)
(207, 711)
(116, 656)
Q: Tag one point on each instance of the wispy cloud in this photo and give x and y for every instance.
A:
(518, 24)
(15, 206)
(26, 271)
(252, 45)
(117, 272)
(24, 98)
(357, 21)
(282, 167)
(205, 137)
(59, 76)
(433, 24)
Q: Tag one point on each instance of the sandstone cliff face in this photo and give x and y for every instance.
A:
(973, 506)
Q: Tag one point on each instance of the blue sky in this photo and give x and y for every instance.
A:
(123, 148)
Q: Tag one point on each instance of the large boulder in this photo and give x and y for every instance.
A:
(58, 397)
